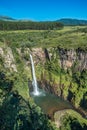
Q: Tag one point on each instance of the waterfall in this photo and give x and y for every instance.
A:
(34, 81)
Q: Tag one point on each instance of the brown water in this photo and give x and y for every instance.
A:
(50, 103)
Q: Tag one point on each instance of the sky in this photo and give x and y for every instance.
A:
(44, 10)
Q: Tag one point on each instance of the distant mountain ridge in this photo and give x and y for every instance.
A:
(6, 18)
(69, 21)
(65, 21)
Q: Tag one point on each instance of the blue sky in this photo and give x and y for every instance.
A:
(41, 10)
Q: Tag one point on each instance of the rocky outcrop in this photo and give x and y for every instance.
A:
(8, 58)
(58, 116)
(38, 55)
(68, 58)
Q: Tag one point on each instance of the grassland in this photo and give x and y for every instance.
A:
(68, 37)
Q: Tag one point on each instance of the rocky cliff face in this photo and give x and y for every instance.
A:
(46, 63)
(62, 84)
(8, 59)
(66, 58)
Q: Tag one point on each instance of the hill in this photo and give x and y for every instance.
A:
(68, 21)
(6, 18)
(64, 21)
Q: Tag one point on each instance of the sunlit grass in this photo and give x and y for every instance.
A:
(68, 37)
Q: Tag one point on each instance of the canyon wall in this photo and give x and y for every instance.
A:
(55, 68)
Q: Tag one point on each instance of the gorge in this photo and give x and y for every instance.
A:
(50, 64)
(48, 102)
(61, 73)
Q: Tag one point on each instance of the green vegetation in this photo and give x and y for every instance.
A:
(25, 25)
(69, 37)
(70, 84)
(17, 111)
(71, 122)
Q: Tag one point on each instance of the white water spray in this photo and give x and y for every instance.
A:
(34, 82)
